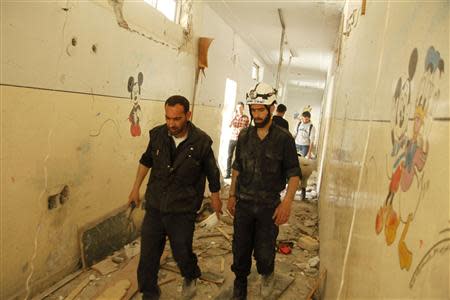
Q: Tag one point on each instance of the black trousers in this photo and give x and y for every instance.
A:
(254, 232)
(231, 148)
(180, 230)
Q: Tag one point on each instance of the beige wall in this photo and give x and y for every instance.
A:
(65, 118)
(358, 165)
(300, 97)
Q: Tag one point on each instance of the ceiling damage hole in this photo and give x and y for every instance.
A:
(74, 41)
(94, 48)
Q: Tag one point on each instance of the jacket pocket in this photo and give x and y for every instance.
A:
(273, 164)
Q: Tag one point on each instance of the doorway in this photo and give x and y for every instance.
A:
(227, 114)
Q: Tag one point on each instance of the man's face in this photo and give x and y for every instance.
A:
(176, 119)
(260, 114)
(305, 119)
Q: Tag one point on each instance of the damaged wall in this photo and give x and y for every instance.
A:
(79, 93)
(384, 199)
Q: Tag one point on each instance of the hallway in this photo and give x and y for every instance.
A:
(83, 82)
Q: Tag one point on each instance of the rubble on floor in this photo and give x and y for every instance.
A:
(297, 263)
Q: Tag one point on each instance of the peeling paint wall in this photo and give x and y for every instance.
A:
(384, 199)
(76, 112)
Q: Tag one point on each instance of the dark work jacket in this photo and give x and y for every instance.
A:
(265, 165)
(280, 121)
(177, 178)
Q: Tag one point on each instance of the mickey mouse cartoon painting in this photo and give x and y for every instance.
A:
(410, 149)
(134, 88)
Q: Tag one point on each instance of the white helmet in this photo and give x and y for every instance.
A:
(262, 93)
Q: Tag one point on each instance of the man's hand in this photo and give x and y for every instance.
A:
(134, 198)
(216, 203)
(231, 205)
(282, 212)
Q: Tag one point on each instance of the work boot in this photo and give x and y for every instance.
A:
(240, 289)
(189, 288)
(152, 296)
(267, 283)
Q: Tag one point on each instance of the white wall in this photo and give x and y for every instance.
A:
(297, 98)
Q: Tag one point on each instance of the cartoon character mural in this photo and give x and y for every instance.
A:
(134, 88)
(409, 150)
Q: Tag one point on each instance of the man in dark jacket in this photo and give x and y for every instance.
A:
(278, 118)
(265, 159)
(181, 158)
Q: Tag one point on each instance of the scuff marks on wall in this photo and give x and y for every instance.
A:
(409, 151)
(99, 131)
(117, 5)
(134, 88)
(40, 221)
(186, 22)
(441, 247)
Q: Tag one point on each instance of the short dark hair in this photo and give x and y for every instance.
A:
(240, 103)
(177, 99)
(281, 108)
(306, 114)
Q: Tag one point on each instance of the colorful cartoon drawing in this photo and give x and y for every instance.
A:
(409, 150)
(134, 88)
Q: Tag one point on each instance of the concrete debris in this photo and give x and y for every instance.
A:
(307, 230)
(313, 262)
(132, 249)
(118, 259)
(312, 272)
(213, 247)
(308, 243)
(310, 223)
(105, 267)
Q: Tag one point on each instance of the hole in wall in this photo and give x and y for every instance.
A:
(74, 41)
(64, 195)
(94, 48)
(61, 198)
(52, 201)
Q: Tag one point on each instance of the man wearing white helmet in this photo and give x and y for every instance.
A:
(265, 159)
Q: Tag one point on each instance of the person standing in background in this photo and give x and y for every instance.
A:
(239, 122)
(305, 135)
(278, 118)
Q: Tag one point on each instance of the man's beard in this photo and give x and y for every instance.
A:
(264, 122)
(177, 131)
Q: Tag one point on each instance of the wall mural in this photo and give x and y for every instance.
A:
(410, 150)
(134, 88)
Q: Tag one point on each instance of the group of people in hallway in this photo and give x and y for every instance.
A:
(304, 135)
(181, 158)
